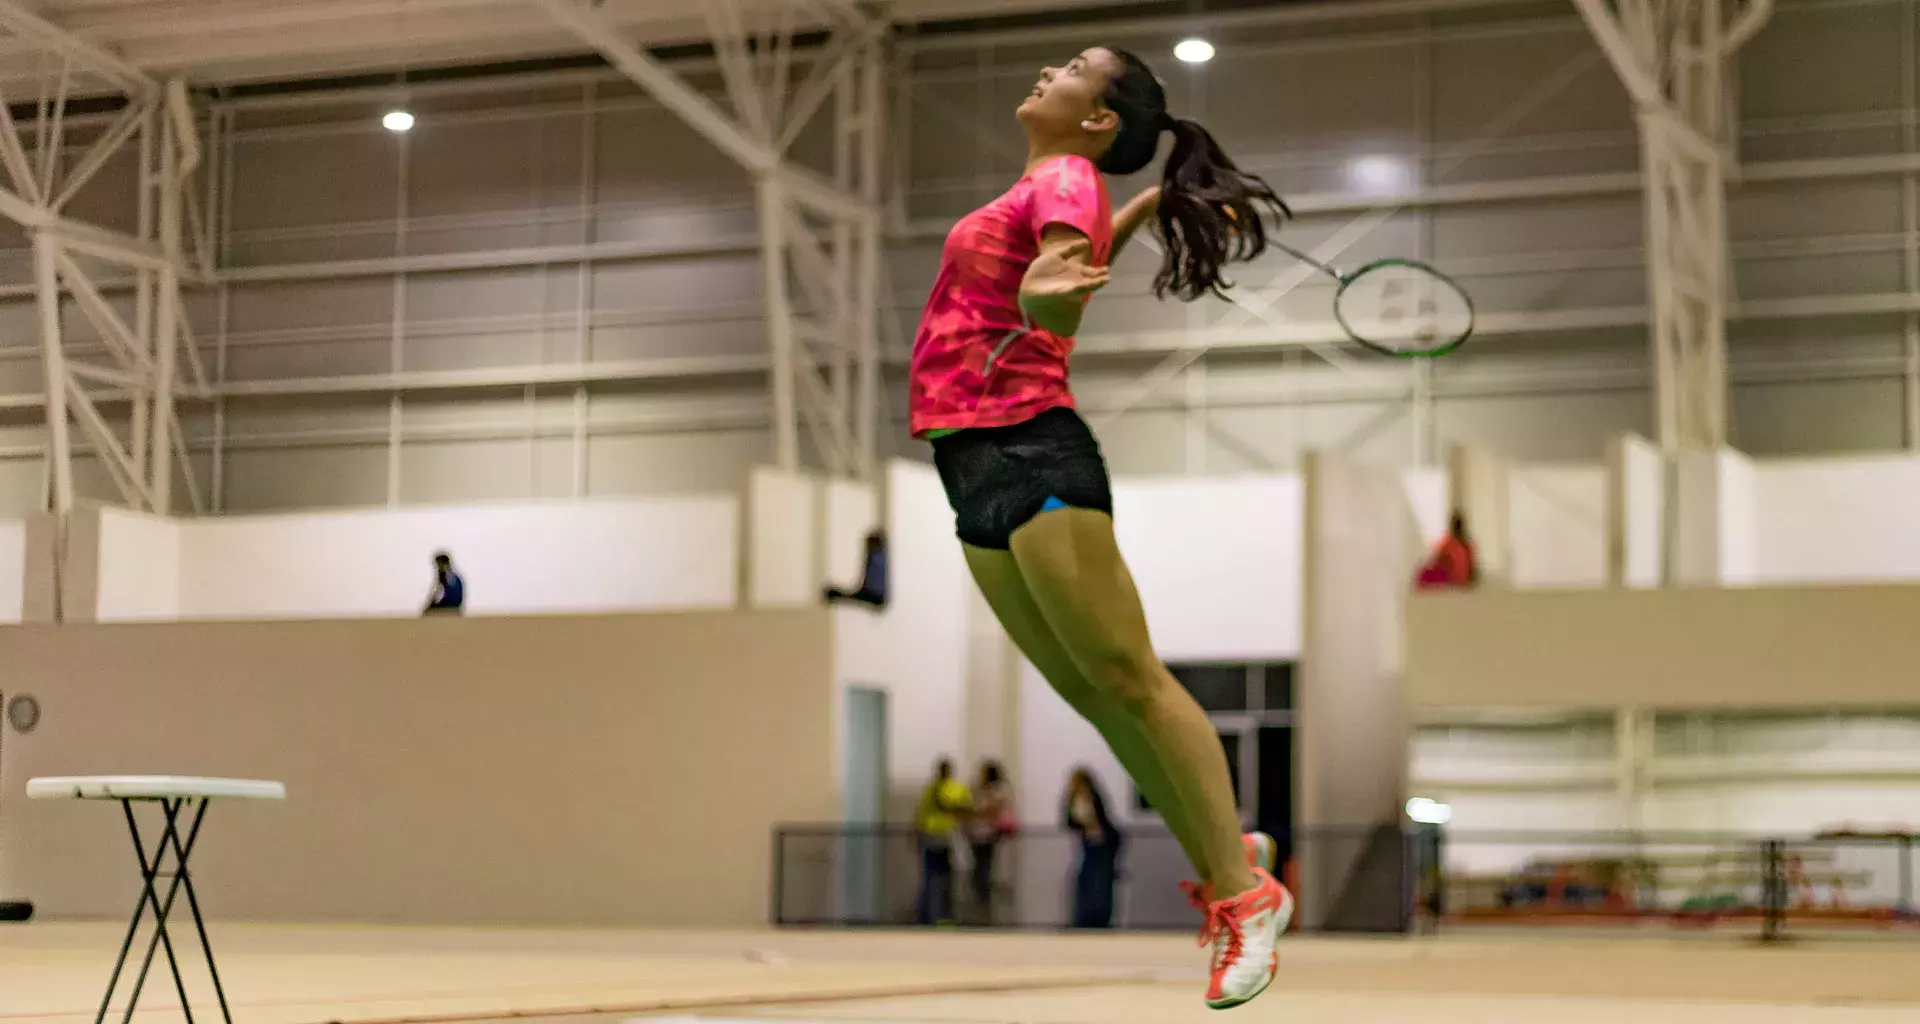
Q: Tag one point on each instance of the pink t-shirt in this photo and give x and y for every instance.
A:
(976, 361)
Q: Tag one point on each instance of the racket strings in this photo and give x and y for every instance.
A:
(1404, 307)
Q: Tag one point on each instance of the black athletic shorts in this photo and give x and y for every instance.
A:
(998, 478)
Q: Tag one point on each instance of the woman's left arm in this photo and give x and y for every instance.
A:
(1053, 294)
(1131, 216)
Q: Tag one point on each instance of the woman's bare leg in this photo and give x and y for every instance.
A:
(1006, 593)
(1073, 571)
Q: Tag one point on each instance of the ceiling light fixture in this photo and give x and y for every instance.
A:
(1193, 51)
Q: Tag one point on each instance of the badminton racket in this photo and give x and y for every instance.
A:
(1399, 307)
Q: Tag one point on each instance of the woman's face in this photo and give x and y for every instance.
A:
(1070, 98)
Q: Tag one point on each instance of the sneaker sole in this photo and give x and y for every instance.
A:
(1284, 918)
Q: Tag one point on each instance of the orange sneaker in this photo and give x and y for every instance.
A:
(1261, 850)
(1243, 932)
(1261, 853)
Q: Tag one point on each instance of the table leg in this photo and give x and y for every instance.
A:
(139, 911)
(169, 838)
(193, 904)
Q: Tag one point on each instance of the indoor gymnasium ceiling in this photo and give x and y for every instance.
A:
(226, 41)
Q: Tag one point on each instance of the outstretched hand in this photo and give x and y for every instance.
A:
(1053, 294)
(1065, 270)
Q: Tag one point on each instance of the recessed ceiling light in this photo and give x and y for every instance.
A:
(397, 121)
(1193, 51)
(1377, 175)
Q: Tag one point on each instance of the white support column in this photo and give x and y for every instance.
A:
(1633, 749)
(46, 279)
(144, 283)
(845, 131)
(780, 339)
(166, 341)
(874, 114)
(1910, 228)
(1422, 415)
(143, 355)
(1678, 82)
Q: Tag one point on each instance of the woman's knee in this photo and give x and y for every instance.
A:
(1080, 694)
(1121, 673)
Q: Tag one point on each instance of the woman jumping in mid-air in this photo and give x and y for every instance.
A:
(1024, 475)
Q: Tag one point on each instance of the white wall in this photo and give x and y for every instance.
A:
(1794, 774)
(1218, 565)
(1427, 497)
(1217, 561)
(1548, 777)
(916, 649)
(1837, 520)
(1739, 514)
(1789, 776)
(139, 570)
(1714, 539)
(1557, 525)
(645, 554)
(13, 569)
(1478, 482)
(1639, 482)
(852, 511)
(783, 549)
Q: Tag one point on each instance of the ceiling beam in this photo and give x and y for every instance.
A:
(701, 113)
(89, 55)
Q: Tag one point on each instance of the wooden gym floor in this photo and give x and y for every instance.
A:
(54, 973)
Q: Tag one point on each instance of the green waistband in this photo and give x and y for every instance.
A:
(943, 432)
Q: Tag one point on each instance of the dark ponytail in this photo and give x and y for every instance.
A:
(1210, 210)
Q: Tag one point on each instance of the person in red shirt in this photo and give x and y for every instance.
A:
(1453, 563)
(1029, 488)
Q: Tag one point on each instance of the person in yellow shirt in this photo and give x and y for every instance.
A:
(942, 804)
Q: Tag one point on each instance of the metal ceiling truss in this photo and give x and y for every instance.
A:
(43, 180)
(819, 233)
(169, 248)
(1673, 57)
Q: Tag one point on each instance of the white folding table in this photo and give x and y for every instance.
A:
(174, 794)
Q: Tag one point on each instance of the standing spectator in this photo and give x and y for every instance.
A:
(1085, 815)
(449, 595)
(1454, 563)
(942, 804)
(992, 820)
(873, 575)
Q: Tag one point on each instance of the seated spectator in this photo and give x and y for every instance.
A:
(1453, 564)
(449, 593)
(873, 580)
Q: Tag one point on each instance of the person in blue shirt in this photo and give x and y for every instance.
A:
(873, 578)
(449, 590)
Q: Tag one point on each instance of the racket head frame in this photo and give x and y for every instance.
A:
(1432, 352)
